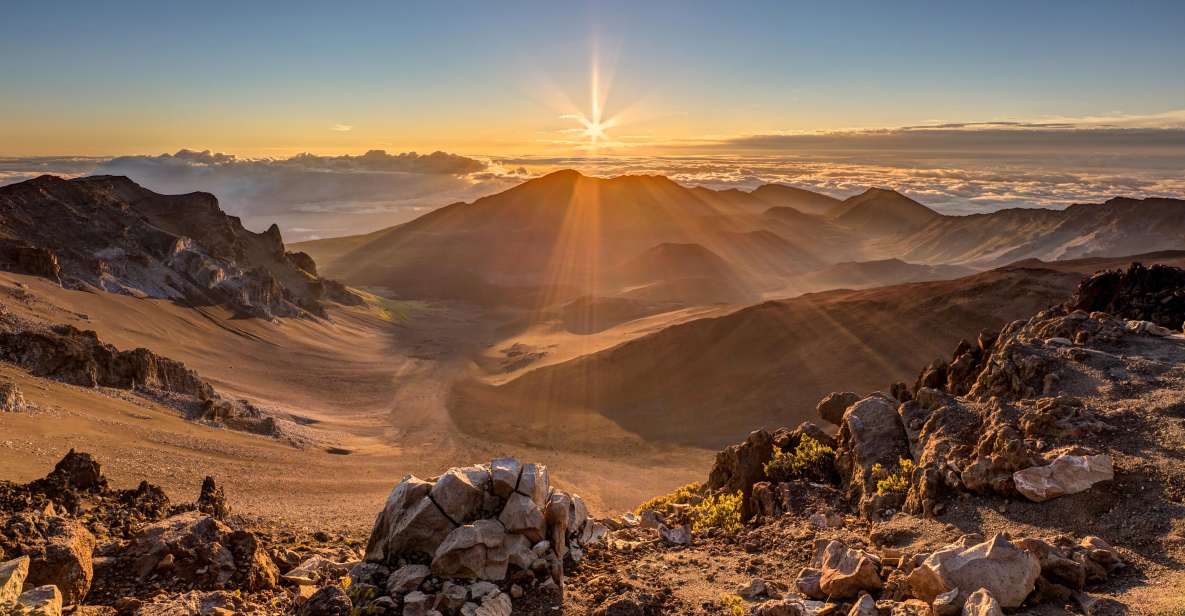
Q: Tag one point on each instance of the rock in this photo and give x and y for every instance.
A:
(315, 571)
(808, 581)
(328, 601)
(407, 578)
(12, 579)
(784, 607)
(864, 606)
(740, 466)
(504, 473)
(458, 492)
(522, 516)
(473, 552)
(947, 603)
(41, 601)
(753, 590)
(832, 407)
(1006, 571)
(1067, 474)
(680, 535)
(982, 603)
(620, 606)
(845, 572)
(370, 573)
(409, 522)
(415, 603)
(207, 555)
(11, 398)
(869, 434)
(453, 596)
(62, 558)
(212, 500)
(535, 483)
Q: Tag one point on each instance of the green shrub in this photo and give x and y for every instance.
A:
(810, 460)
(687, 495)
(895, 481)
(733, 605)
(721, 511)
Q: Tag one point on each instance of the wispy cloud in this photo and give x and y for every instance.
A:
(341, 128)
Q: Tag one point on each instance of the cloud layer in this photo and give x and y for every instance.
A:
(980, 167)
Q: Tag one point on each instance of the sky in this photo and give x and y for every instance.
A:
(1078, 88)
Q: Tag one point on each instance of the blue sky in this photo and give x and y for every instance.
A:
(277, 78)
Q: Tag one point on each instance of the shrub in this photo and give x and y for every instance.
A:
(687, 495)
(810, 460)
(733, 604)
(722, 511)
(895, 481)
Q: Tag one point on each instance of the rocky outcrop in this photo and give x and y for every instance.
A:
(109, 233)
(845, 573)
(489, 524)
(12, 400)
(1155, 294)
(739, 467)
(60, 552)
(871, 438)
(78, 357)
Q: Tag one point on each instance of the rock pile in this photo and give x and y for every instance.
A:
(472, 539)
(12, 400)
(70, 539)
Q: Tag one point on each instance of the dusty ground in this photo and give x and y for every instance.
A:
(369, 395)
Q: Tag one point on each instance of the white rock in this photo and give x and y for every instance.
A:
(1067, 474)
(12, 579)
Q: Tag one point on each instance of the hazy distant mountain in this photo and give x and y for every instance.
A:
(1121, 226)
(110, 233)
(567, 233)
(878, 211)
(562, 236)
(805, 201)
(867, 274)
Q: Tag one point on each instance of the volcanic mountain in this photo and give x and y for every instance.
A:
(110, 233)
(878, 211)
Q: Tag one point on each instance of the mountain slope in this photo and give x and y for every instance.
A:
(805, 201)
(878, 211)
(110, 233)
(710, 381)
(1119, 226)
(561, 233)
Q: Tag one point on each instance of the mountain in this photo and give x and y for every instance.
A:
(866, 274)
(110, 233)
(879, 211)
(805, 201)
(563, 233)
(709, 381)
(1120, 226)
(682, 272)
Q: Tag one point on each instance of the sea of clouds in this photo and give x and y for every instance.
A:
(314, 196)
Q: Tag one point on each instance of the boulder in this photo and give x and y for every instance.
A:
(864, 606)
(11, 398)
(832, 407)
(459, 492)
(740, 466)
(41, 601)
(12, 579)
(522, 516)
(808, 582)
(407, 578)
(63, 557)
(1005, 570)
(212, 500)
(409, 522)
(982, 603)
(784, 607)
(504, 473)
(846, 573)
(1067, 474)
(201, 552)
(870, 434)
(679, 535)
(328, 601)
(473, 551)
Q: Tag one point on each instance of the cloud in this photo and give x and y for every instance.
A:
(341, 128)
(311, 195)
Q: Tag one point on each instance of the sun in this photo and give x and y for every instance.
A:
(594, 129)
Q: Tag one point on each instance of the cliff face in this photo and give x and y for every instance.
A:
(110, 233)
